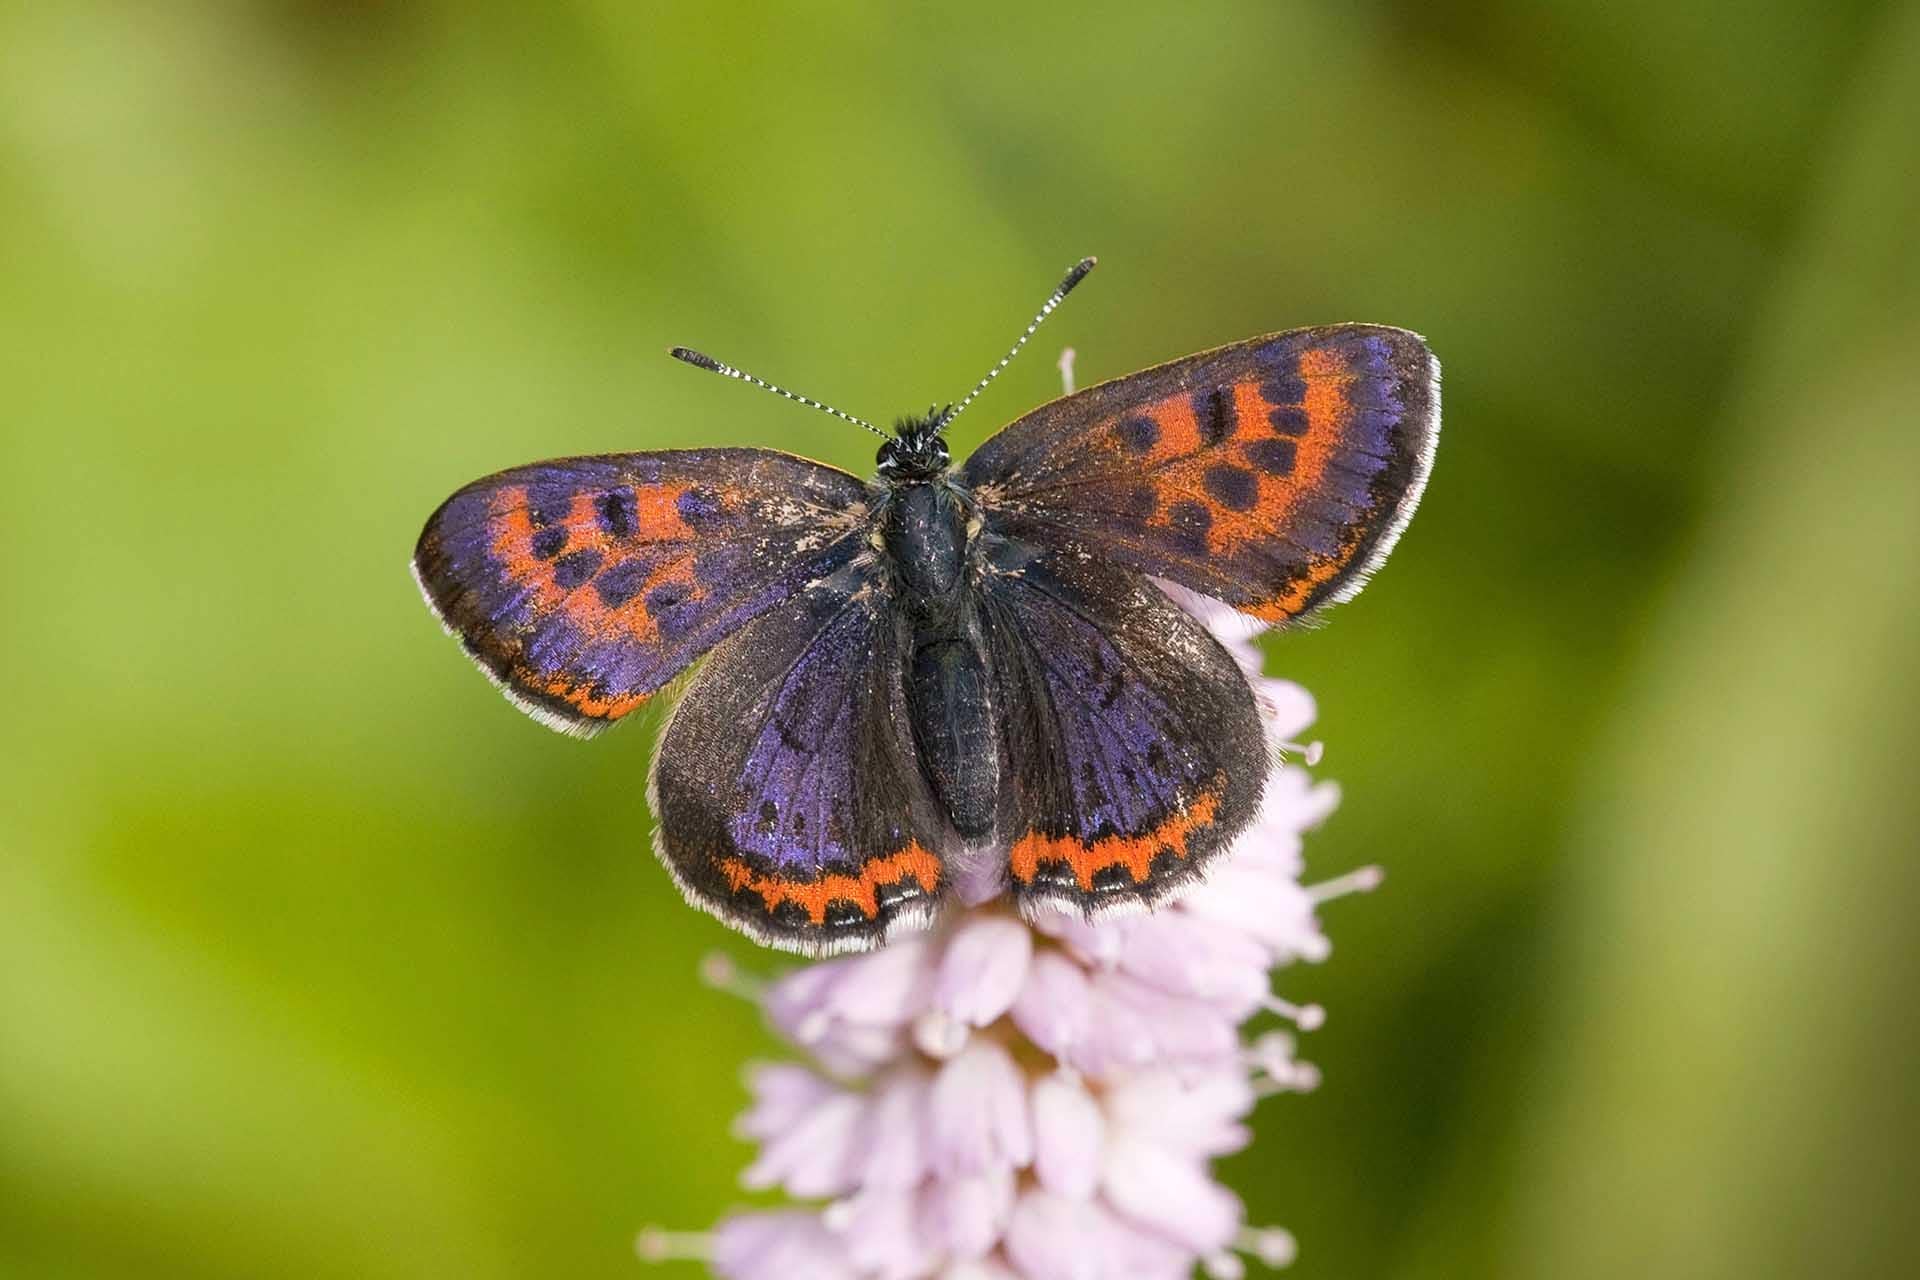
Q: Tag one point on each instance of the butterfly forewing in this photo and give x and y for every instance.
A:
(1273, 474)
(584, 585)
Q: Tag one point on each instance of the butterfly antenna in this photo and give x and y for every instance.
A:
(1074, 277)
(701, 360)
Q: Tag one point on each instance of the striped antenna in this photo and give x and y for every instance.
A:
(1074, 277)
(700, 360)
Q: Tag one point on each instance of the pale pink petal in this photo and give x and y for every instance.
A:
(978, 1112)
(983, 968)
(1096, 945)
(1067, 1134)
(783, 1093)
(1136, 1253)
(852, 1049)
(1169, 1193)
(779, 1246)
(883, 1234)
(1294, 802)
(1174, 1027)
(816, 1156)
(1054, 1006)
(980, 1269)
(889, 986)
(1185, 957)
(967, 1215)
(1285, 707)
(1052, 1236)
(1116, 1036)
(896, 1131)
(1193, 1112)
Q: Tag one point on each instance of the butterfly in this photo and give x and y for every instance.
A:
(948, 669)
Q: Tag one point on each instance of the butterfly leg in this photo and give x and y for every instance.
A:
(1065, 365)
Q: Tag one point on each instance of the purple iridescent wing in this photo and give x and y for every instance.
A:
(787, 795)
(584, 585)
(1274, 474)
(1133, 750)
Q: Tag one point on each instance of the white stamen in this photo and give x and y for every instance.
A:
(718, 971)
(1310, 753)
(1307, 1017)
(1359, 880)
(1223, 1266)
(1274, 1246)
(939, 1036)
(1271, 1051)
(1289, 1077)
(655, 1244)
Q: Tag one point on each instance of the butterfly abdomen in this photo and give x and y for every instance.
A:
(949, 701)
(924, 532)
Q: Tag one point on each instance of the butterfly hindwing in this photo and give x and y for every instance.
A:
(1133, 752)
(785, 789)
(583, 585)
(1274, 474)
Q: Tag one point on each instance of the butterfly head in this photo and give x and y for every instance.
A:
(918, 450)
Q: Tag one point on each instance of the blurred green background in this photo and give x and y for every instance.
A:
(316, 959)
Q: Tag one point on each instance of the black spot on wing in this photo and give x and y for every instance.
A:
(1137, 434)
(620, 583)
(1288, 419)
(1235, 488)
(1216, 413)
(575, 568)
(618, 514)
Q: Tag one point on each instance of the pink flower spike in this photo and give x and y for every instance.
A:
(1106, 1054)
